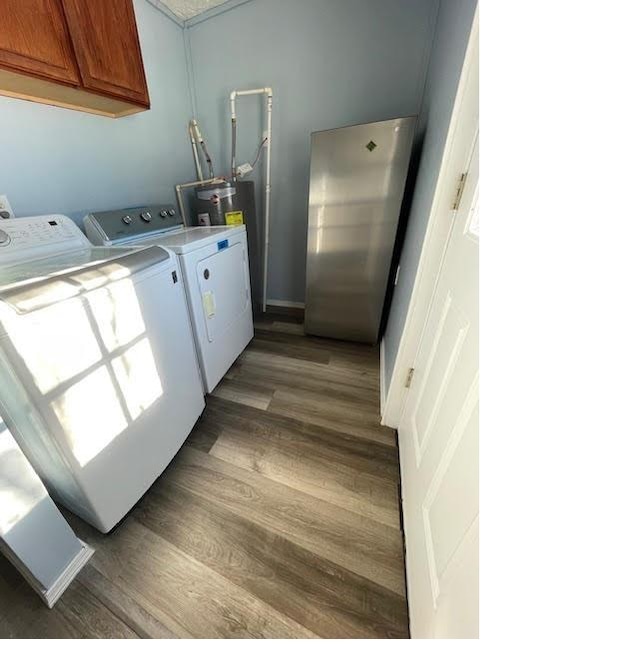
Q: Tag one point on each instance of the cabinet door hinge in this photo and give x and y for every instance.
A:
(407, 382)
(458, 198)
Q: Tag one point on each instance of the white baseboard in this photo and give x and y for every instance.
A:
(383, 383)
(284, 303)
(394, 395)
(65, 579)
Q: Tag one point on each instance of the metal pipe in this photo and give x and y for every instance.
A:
(232, 99)
(194, 147)
(203, 145)
(233, 148)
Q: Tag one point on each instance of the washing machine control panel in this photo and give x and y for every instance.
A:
(34, 231)
(34, 237)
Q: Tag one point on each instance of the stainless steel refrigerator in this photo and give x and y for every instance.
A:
(356, 187)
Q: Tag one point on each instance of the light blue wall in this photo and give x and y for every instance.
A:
(58, 160)
(331, 63)
(445, 63)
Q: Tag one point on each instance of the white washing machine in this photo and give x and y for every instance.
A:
(98, 382)
(214, 263)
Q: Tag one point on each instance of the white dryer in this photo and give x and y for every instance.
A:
(98, 382)
(214, 263)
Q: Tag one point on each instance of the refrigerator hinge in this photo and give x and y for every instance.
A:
(407, 382)
(458, 198)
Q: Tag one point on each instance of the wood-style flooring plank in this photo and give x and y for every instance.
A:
(365, 355)
(268, 447)
(77, 615)
(192, 596)
(247, 393)
(23, 615)
(291, 328)
(276, 372)
(89, 617)
(351, 541)
(266, 344)
(350, 376)
(28, 618)
(205, 601)
(335, 448)
(282, 314)
(111, 560)
(206, 431)
(290, 325)
(319, 595)
(123, 605)
(331, 412)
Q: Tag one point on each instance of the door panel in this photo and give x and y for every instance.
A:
(434, 382)
(105, 39)
(458, 602)
(224, 289)
(453, 505)
(34, 39)
(439, 441)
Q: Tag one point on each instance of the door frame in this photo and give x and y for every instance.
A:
(465, 108)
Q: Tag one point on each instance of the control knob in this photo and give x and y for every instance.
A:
(172, 212)
(146, 216)
(126, 219)
(163, 213)
(5, 239)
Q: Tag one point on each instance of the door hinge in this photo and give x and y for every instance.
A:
(458, 198)
(407, 382)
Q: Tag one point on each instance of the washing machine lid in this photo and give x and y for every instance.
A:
(39, 283)
(195, 238)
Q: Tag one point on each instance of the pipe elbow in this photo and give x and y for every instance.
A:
(232, 103)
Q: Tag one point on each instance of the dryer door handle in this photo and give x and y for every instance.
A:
(209, 304)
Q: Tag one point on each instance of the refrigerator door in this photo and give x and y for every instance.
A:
(356, 187)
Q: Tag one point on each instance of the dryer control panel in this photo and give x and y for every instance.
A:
(117, 226)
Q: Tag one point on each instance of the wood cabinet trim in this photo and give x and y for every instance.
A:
(32, 88)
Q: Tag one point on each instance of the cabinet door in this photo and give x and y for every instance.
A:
(105, 39)
(34, 39)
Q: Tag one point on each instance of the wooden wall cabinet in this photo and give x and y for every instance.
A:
(80, 54)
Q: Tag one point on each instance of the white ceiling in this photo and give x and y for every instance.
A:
(186, 9)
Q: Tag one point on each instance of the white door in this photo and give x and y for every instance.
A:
(439, 441)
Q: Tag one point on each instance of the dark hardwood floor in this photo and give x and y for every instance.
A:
(278, 518)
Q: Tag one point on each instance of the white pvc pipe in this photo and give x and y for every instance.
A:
(232, 98)
(267, 203)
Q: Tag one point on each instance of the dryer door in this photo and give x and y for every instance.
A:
(224, 289)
